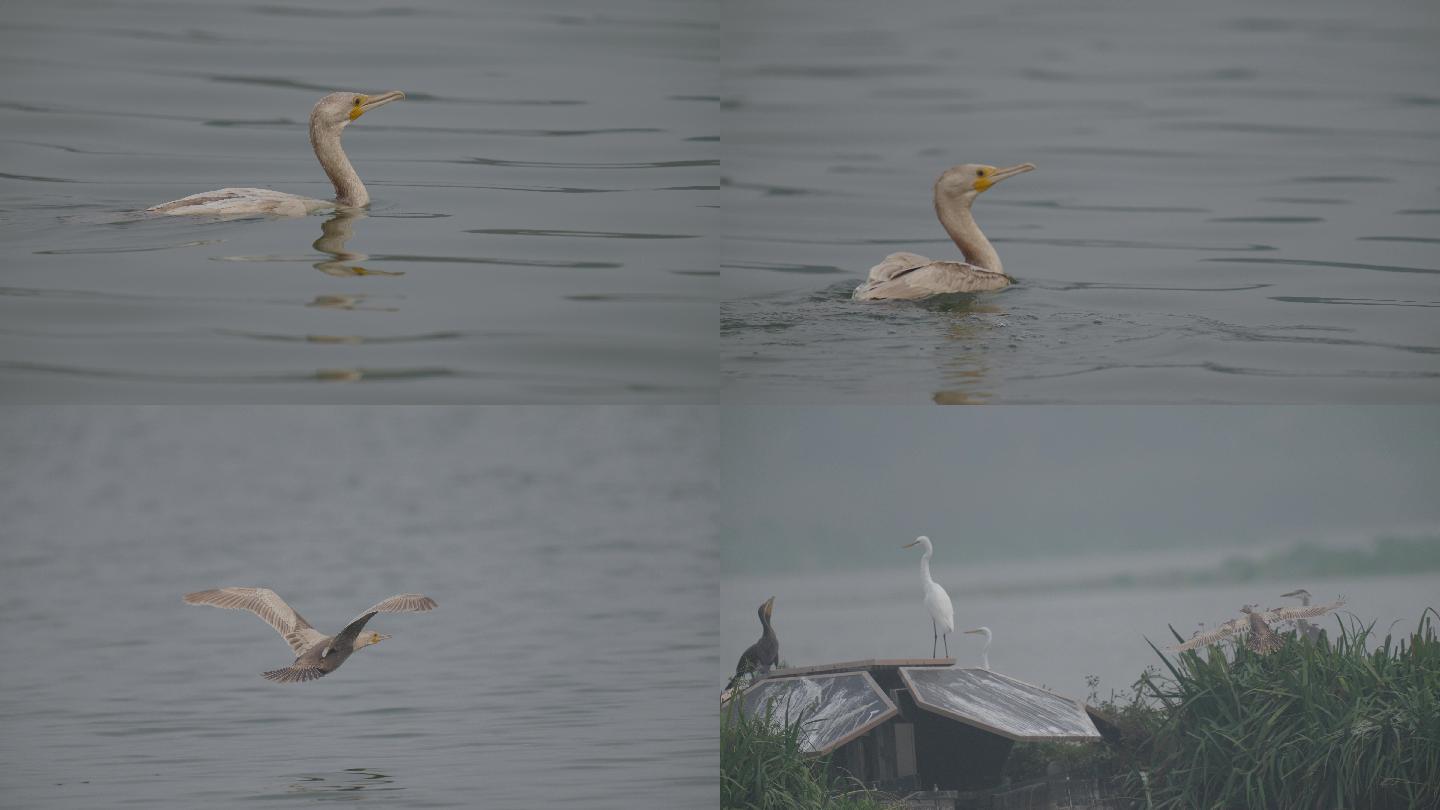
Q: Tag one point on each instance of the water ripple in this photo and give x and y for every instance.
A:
(1384, 268)
(581, 234)
(1421, 239)
(420, 96)
(544, 164)
(1355, 302)
(817, 269)
(1130, 243)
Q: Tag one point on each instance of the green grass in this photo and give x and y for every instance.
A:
(762, 767)
(1322, 725)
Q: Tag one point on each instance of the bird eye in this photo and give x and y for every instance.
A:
(978, 172)
(357, 101)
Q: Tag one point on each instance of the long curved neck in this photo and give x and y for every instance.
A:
(985, 656)
(955, 216)
(349, 191)
(925, 569)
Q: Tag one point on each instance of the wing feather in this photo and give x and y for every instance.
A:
(266, 604)
(400, 603)
(295, 673)
(1286, 614)
(1210, 637)
(903, 282)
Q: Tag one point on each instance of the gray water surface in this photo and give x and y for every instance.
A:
(1233, 203)
(571, 551)
(542, 202)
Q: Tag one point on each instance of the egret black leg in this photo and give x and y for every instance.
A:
(934, 638)
(947, 645)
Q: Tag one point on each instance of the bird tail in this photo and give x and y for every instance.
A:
(294, 674)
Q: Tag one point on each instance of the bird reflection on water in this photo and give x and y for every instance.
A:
(335, 233)
(348, 780)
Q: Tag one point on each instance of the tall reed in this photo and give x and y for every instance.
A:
(1331, 724)
(763, 767)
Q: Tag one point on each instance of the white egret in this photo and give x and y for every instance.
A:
(984, 651)
(937, 601)
(327, 120)
(316, 654)
(909, 276)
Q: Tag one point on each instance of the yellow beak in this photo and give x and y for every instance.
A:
(368, 103)
(1000, 174)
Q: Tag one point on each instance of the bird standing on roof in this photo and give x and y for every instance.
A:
(937, 601)
(1261, 639)
(316, 654)
(984, 651)
(763, 654)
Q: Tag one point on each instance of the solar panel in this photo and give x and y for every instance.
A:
(836, 708)
(999, 704)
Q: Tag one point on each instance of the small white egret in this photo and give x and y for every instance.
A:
(984, 651)
(942, 612)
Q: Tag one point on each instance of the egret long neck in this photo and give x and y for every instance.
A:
(925, 570)
(349, 191)
(955, 217)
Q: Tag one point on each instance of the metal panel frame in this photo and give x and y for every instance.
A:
(970, 721)
(891, 710)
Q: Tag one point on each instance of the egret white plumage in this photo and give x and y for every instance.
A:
(937, 601)
(984, 651)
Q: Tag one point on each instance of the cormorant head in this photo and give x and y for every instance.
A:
(337, 110)
(366, 639)
(766, 609)
(1297, 592)
(969, 179)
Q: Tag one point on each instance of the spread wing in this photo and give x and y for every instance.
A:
(266, 604)
(1210, 637)
(1306, 612)
(401, 603)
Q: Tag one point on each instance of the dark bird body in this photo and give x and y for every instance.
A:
(764, 654)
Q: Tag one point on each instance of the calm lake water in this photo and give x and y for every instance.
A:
(1052, 639)
(540, 230)
(1233, 203)
(571, 551)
